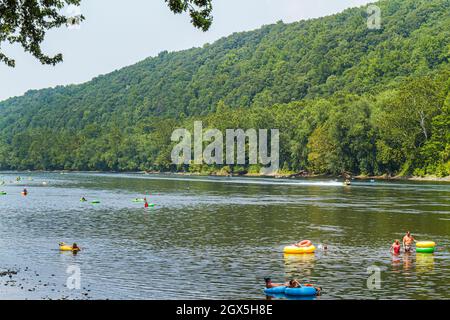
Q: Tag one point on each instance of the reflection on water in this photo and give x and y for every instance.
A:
(218, 238)
(424, 262)
(299, 265)
(281, 296)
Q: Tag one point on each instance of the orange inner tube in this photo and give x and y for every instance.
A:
(305, 243)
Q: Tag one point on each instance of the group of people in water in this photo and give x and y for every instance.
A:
(395, 249)
(407, 242)
(146, 205)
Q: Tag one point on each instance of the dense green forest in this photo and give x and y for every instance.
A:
(345, 98)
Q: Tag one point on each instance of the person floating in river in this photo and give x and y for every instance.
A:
(408, 240)
(294, 283)
(395, 247)
(25, 192)
(270, 284)
(75, 247)
(83, 199)
(146, 203)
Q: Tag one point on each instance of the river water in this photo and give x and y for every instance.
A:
(217, 238)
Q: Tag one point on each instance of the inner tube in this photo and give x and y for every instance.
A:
(95, 202)
(425, 250)
(68, 248)
(305, 243)
(425, 244)
(299, 250)
(275, 290)
(3, 193)
(302, 291)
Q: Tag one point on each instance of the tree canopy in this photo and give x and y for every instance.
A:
(26, 22)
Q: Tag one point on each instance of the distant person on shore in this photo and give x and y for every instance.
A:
(408, 240)
(395, 247)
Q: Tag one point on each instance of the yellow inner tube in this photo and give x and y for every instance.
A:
(68, 248)
(299, 250)
(425, 244)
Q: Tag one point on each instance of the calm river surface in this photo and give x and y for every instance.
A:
(217, 238)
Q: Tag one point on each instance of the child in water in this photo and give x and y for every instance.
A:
(395, 247)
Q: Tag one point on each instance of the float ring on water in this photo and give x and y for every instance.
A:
(425, 250)
(299, 250)
(425, 244)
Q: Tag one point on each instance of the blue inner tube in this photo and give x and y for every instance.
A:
(275, 290)
(303, 291)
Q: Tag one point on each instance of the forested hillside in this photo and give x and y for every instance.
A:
(344, 97)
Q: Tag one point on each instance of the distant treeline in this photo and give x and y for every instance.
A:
(344, 97)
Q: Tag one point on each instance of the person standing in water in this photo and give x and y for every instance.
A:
(145, 202)
(408, 240)
(395, 247)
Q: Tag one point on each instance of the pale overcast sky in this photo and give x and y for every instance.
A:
(118, 33)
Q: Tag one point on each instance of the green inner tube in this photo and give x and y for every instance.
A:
(95, 202)
(425, 250)
(3, 193)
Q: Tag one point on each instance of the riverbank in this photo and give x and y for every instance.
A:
(23, 284)
(289, 175)
(318, 176)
